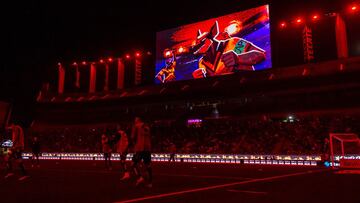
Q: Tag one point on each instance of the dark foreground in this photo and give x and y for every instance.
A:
(88, 181)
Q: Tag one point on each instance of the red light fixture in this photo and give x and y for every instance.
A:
(298, 20)
(354, 8)
(282, 25)
(59, 64)
(83, 63)
(110, 59)
(74, 64)
(101, 61)
(127, 56)
(315, 17)
(137, 54)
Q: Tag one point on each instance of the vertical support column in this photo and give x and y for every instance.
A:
(138, 71)
(341, 37)
(77, 81)
(106, 85)
(61, 78)
(120, 74)
(92, 86)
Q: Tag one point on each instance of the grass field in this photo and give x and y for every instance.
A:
(89, 181)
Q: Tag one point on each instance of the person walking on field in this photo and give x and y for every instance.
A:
(142, 137)
(106, 149)
(16, 152)
(122, 148)
(172, 151)
(35, 145)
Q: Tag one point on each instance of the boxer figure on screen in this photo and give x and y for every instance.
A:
(222, 54)
(167, 73)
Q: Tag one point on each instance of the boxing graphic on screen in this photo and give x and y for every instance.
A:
(191, 52)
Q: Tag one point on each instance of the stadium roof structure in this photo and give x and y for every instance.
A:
(304, 88)
(243, 81)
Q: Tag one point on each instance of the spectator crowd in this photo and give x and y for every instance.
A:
(300, 135)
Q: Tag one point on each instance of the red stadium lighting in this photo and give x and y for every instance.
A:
(110, 59)
(101, 61)
(127, 56)
(298, 20)
(83, 63)
(137, 54)
(282, 25)
(74, 64)
(315, 17)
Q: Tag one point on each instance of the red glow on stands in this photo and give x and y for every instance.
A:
(305, 72)
(137, 54)
(341, 68)
(110, 59)
(83, 63)
(127, 56)
(101, 61)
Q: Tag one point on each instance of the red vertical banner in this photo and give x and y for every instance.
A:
(77, 81)
(308, 44)
(138, 71)
(120, 74)
(92, 86)
(106, 85)
(61, 79)
(341, 37)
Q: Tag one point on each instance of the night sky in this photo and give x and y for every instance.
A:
(35, 35)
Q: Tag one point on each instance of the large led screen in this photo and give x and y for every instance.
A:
(220, 46)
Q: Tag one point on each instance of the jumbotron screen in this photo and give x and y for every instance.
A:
(219, 46)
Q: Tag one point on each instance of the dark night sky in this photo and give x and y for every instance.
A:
(35, 35)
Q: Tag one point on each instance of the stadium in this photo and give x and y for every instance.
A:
(248, 101)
